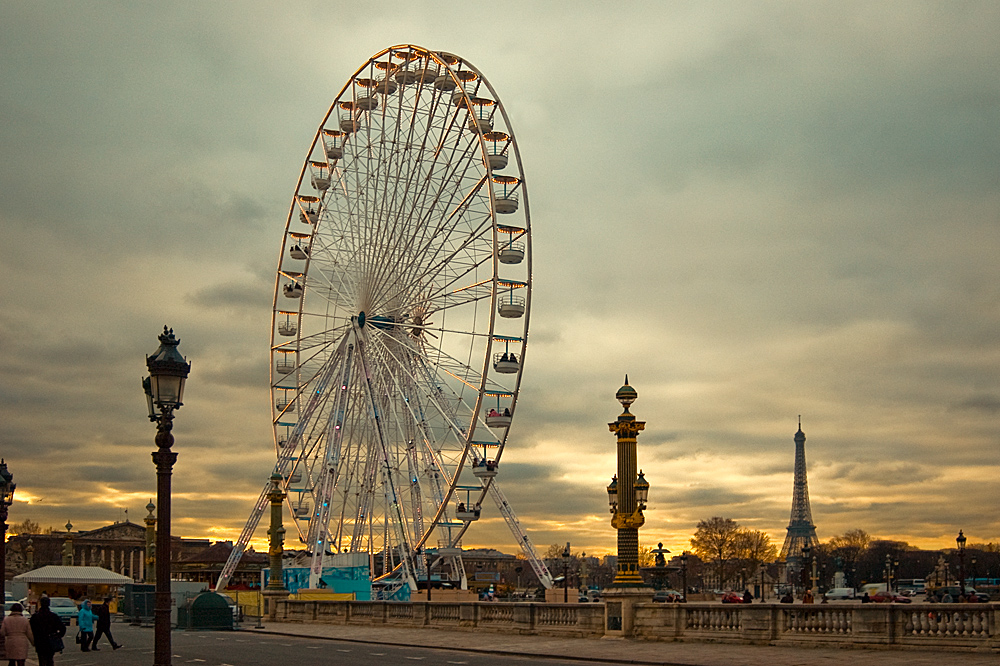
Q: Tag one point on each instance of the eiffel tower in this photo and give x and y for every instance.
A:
(801, 531)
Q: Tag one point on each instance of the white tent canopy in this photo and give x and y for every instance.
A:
(73, 575)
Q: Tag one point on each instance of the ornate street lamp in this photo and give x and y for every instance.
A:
(628, 492)
(565, 559)
(806, 552)
(684, 573)
(960, 540)
(641, 491)
(164, 390)
(7, 487)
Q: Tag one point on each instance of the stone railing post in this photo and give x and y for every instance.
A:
(870, 623)
(759, 623)
(468, 614)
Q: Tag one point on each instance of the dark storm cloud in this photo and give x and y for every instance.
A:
(989, 404)
(238, 297)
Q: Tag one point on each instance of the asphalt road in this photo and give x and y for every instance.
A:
(235, 648)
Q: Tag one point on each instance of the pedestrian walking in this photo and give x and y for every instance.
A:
(85, 620)
(17, 636)
(103, 613)
(747, 597)
(49, 630)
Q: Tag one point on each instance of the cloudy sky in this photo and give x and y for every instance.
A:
(757, 210)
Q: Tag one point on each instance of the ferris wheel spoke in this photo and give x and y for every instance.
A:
(481, 252)
(422, 219)
(430, 379)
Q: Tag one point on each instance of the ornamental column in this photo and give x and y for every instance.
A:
(626, 514)
(150, 558)
(275, 584)
(627, 495)
(67, 551)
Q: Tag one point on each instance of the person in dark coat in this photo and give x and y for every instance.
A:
(46, 626)
(103, 613)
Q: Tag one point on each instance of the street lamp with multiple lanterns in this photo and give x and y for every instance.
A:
(164, 390)
(628, 492)
(7, 487)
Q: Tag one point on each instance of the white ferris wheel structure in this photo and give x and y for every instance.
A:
(400, 320)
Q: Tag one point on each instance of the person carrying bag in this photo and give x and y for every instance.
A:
(49, 630)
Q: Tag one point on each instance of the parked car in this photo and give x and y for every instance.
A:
(732, 598)
(667, 596)
(883, 597)
(7, 605)
(841, 593)
(64, 607)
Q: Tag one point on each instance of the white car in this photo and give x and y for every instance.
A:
(841, 593)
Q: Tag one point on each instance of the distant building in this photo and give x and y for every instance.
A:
(486, 566)
(205, 566)
(119, 547)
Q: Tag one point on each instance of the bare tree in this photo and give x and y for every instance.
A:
(27, 526)
(848, 549)
(715, 541)
(752, 549)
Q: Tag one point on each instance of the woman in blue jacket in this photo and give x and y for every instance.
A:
(85, 620)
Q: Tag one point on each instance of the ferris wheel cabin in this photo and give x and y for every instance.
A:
(348, 123)
(509, 304)
(506, 194)
(496, 145)
(485, 469)
(331, 145)
(309, 209)
(479, 115)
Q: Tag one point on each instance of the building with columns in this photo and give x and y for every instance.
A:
(119, 547)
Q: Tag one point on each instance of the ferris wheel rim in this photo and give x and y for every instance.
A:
(482, 390)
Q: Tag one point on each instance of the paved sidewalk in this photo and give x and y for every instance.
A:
(629, 651)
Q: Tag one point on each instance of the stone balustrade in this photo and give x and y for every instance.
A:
(579, 620)
(937, 625)
(931, 625)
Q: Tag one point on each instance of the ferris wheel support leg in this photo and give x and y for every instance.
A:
(544, 577)
(392, 497)
(320, 533)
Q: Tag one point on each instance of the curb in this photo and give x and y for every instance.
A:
(506, 653)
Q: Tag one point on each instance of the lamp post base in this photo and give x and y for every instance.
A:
(271, 598)
(619, 609)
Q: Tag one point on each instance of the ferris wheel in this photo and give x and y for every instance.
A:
(400, 317)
